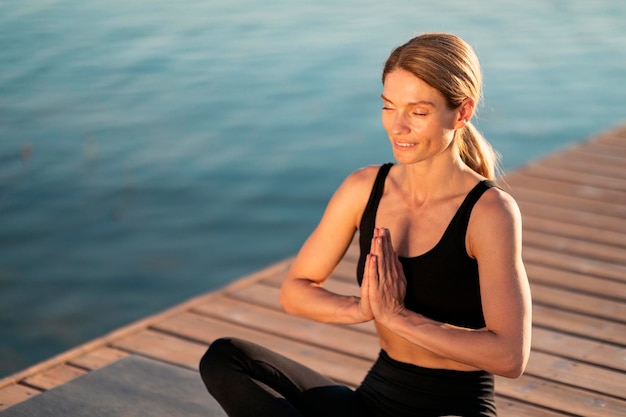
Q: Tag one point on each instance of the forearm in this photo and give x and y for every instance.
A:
(483, 349)
(305, 298)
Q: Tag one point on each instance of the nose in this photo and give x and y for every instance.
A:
(399, 125)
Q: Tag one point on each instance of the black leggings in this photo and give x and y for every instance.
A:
(250, 380)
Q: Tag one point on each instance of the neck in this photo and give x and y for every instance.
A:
(435, 178)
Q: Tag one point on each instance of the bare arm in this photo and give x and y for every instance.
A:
(302, 292)
(503, 346)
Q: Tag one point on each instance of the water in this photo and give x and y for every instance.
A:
(151, 151)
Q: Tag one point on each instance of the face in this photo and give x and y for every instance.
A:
(416, 117)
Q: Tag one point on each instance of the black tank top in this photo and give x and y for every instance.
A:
(442, 284)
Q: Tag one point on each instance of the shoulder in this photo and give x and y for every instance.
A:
(361, 181)
(497, 202)
(495, 219)
(354, 192)
(365, 174)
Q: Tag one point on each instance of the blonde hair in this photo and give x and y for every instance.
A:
(449, 64)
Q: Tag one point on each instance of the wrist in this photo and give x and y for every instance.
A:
(400, 318)
(350, 312)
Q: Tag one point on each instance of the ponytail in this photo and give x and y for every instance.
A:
(476, 152)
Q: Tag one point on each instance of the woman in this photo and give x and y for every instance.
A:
(440, 269)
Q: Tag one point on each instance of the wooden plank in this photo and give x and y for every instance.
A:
(613, 140)
(560, 227)
(570, 215)
(202, 329)
(328, 363)
(267, 295)
(555, 396)
(581, 303)
(164, 347)
(586, 162)
(583, 283)
(574, 176)
(355, 344)
(15, 394)
(573, 263)
(550, 200)
(98, 358)
(511, 408)
(583, 193)
(549, 317)
(617, 136)
(579, 324)
(339, 338)
(574, 246)
(579, 348)
(506, 406)
(259, 294)
(346, 271)
(53, 377)
(577, 374)
(615, 151)
(352, 254)
(547, 373)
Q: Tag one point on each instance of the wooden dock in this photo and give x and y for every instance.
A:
(574, 210)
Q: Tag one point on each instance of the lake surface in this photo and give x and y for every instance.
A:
(154, 150)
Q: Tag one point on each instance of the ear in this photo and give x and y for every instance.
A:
(465, 111)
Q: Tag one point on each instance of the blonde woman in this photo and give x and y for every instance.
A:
(440, 270)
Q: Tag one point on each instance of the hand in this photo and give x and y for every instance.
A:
(365, 308)
(384, 278)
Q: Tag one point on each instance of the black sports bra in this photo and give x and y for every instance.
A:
(443, 283)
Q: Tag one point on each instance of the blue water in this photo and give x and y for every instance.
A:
(154, 150)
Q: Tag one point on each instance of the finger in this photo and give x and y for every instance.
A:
(399, 266)
(387, 246)
(366, 285)
(367, 275)
(379, 232)
(364, 292)
(387, 253)
(371, 269)
(372, 285)
(373, 276)
(365, 280)
(374, 243)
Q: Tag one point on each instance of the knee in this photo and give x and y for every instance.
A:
(215, 357)
(215, 360)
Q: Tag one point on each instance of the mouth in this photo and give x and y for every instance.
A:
(404, 145)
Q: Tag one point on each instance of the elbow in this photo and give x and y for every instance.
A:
(512, 370)
(287, 299)
(513, 365)
(283, 299)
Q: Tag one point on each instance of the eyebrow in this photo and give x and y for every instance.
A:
(412, 103)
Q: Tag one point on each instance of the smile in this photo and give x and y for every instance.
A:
(403, 145)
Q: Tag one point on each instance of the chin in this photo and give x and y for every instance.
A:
(404, 159)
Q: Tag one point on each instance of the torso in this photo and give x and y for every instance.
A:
(426, 240)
